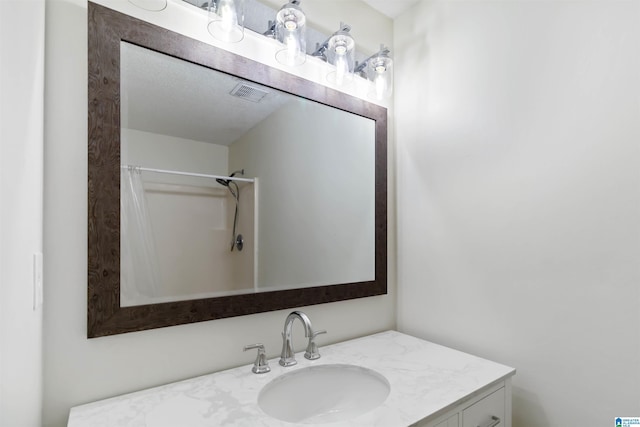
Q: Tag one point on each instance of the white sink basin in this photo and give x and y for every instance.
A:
(323, 394)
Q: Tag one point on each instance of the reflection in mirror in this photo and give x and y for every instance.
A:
(311, 194)
(298, 210)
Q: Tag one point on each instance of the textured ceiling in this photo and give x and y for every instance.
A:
(168, 96)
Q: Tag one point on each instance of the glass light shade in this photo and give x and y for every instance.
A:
(291, 32)
(340, 53)
(226, 20)
(380, 72)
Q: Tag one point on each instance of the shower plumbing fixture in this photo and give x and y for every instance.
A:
(237, 241)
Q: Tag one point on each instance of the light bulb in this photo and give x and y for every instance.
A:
(380, 82)
(342, 64)
(226, 20)
(340, 48)
(342, 68)
(228, 14)
(290, 31)
(381, 74)
(290, 22)
(293, 47)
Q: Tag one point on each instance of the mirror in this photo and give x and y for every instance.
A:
(221, 187)
(306, 185)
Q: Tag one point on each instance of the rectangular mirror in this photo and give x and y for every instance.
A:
(303, 183)
(221, 187)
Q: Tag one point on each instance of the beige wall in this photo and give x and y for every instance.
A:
(518, 129)
(78, 370)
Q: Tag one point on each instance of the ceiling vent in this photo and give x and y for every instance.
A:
(250, 93)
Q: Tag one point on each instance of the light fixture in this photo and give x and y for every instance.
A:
(291, 32)
(379, 69)
(339, 52)
(226, 20)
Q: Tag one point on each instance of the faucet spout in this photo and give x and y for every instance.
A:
(287, 357)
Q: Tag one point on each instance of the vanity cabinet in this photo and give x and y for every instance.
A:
(489, 408)
(487, 412)
(429, 386)
(452, 421)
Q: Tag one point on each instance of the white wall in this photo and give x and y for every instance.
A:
(191, 219)
(316, 194)
(21, 146)
(78, 370)
(518, 129)
(169, 152)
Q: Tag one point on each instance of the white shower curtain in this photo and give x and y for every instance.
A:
(139, 273)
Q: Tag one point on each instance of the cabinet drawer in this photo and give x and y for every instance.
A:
(488, 412)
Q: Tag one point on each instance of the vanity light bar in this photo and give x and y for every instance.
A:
(199, 175)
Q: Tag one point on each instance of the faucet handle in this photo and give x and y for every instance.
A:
(260, 366)
(312, 352)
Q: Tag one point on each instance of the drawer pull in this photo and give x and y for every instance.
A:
(493, 422)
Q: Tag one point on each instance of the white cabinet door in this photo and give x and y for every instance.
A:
(450, 422)
(488, 412)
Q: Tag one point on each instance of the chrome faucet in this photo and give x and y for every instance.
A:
(261, 365)
(287, 358)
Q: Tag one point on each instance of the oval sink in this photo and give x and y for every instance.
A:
(323, 394)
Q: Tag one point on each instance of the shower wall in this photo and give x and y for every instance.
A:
(243, 264)
(191, 218)
(316, 204)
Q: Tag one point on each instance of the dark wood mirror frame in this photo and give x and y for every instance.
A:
(107, 28)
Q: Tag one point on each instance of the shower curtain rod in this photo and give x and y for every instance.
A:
(199, 175)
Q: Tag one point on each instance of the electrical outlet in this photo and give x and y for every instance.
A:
(37, 281)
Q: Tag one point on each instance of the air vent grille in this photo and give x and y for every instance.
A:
(250, 93)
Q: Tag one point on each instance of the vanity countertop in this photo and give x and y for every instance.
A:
(426, 380)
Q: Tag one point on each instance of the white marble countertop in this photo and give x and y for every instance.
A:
(426, 379)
